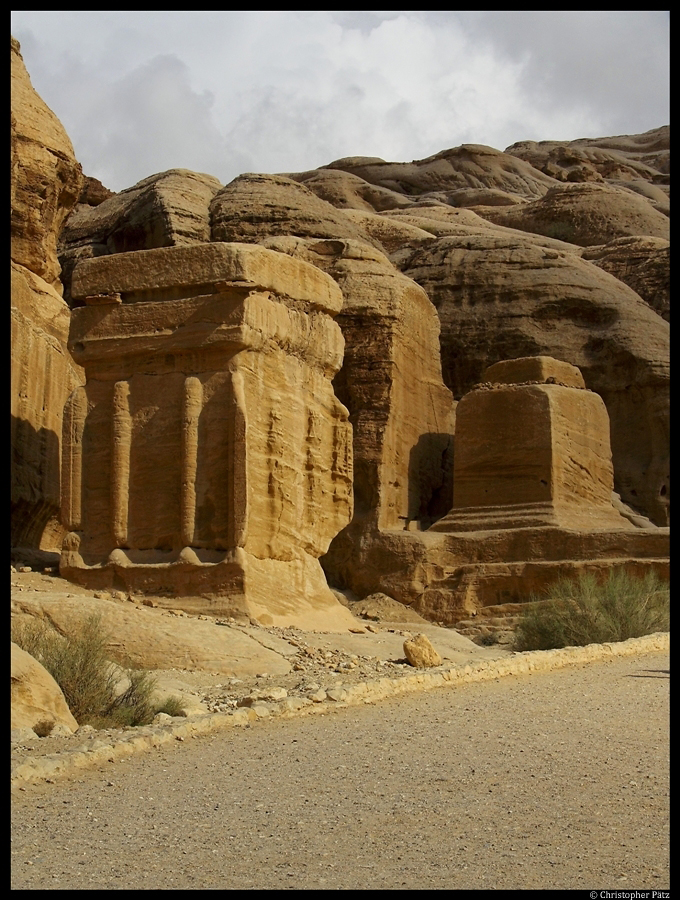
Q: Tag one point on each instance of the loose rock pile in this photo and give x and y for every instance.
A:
(316, 674)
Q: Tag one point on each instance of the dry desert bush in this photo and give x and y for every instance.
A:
(89, 681)
(581, 611)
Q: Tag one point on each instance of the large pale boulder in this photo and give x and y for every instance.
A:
(36, 696)
(154, 638)
(502, 296)
(45, 177)
(170, 209)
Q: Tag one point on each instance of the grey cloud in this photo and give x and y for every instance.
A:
(149, 121)
(613, 63)
(280, 91)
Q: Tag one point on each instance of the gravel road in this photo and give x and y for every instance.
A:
(550, 781)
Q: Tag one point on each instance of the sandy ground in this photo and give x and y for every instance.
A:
(550, 781)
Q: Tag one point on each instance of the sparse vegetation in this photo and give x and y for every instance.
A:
(173, 706)
(44, 727)
(489, 639)
(89, 681)
(581, 611)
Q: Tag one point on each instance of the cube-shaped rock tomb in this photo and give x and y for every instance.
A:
(532, 449)
(207, 457)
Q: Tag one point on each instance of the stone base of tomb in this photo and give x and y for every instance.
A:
(447, 576)
(533, 515)
(206, 582)
(472, 588)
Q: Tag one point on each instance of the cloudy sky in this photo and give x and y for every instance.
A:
(232, 92)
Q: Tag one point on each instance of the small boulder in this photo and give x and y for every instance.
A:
(161, 718)
(20, 735)
(262, 696)
(60, 730)
(420, 653)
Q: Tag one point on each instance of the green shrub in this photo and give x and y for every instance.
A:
(89, 681)
(584, 611)
(173, 706)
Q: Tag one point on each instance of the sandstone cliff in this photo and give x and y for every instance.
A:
(170, 209)
(515, 273)
(503, 296)
(434, 270)
(45, 184)
(45, 177)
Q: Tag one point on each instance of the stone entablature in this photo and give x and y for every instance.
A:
(207, 455)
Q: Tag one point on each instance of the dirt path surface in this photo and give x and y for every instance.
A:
(550, 781)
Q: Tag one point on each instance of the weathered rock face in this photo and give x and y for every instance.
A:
(401, 231)
(401, 413)
(45, 177)
(626, 159)
(503, 297)
(45, 183)
(207, 455)
(643, 263)
(43, 375)
(391, 382)
(533, 482)
(583, 214)
(381, 608)
(532, 501)
(347, 191)
(93, 192)
(170, 209)
(392, 232)
(254, 207)
(36, 696)
(628, 199)
(445, 174)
